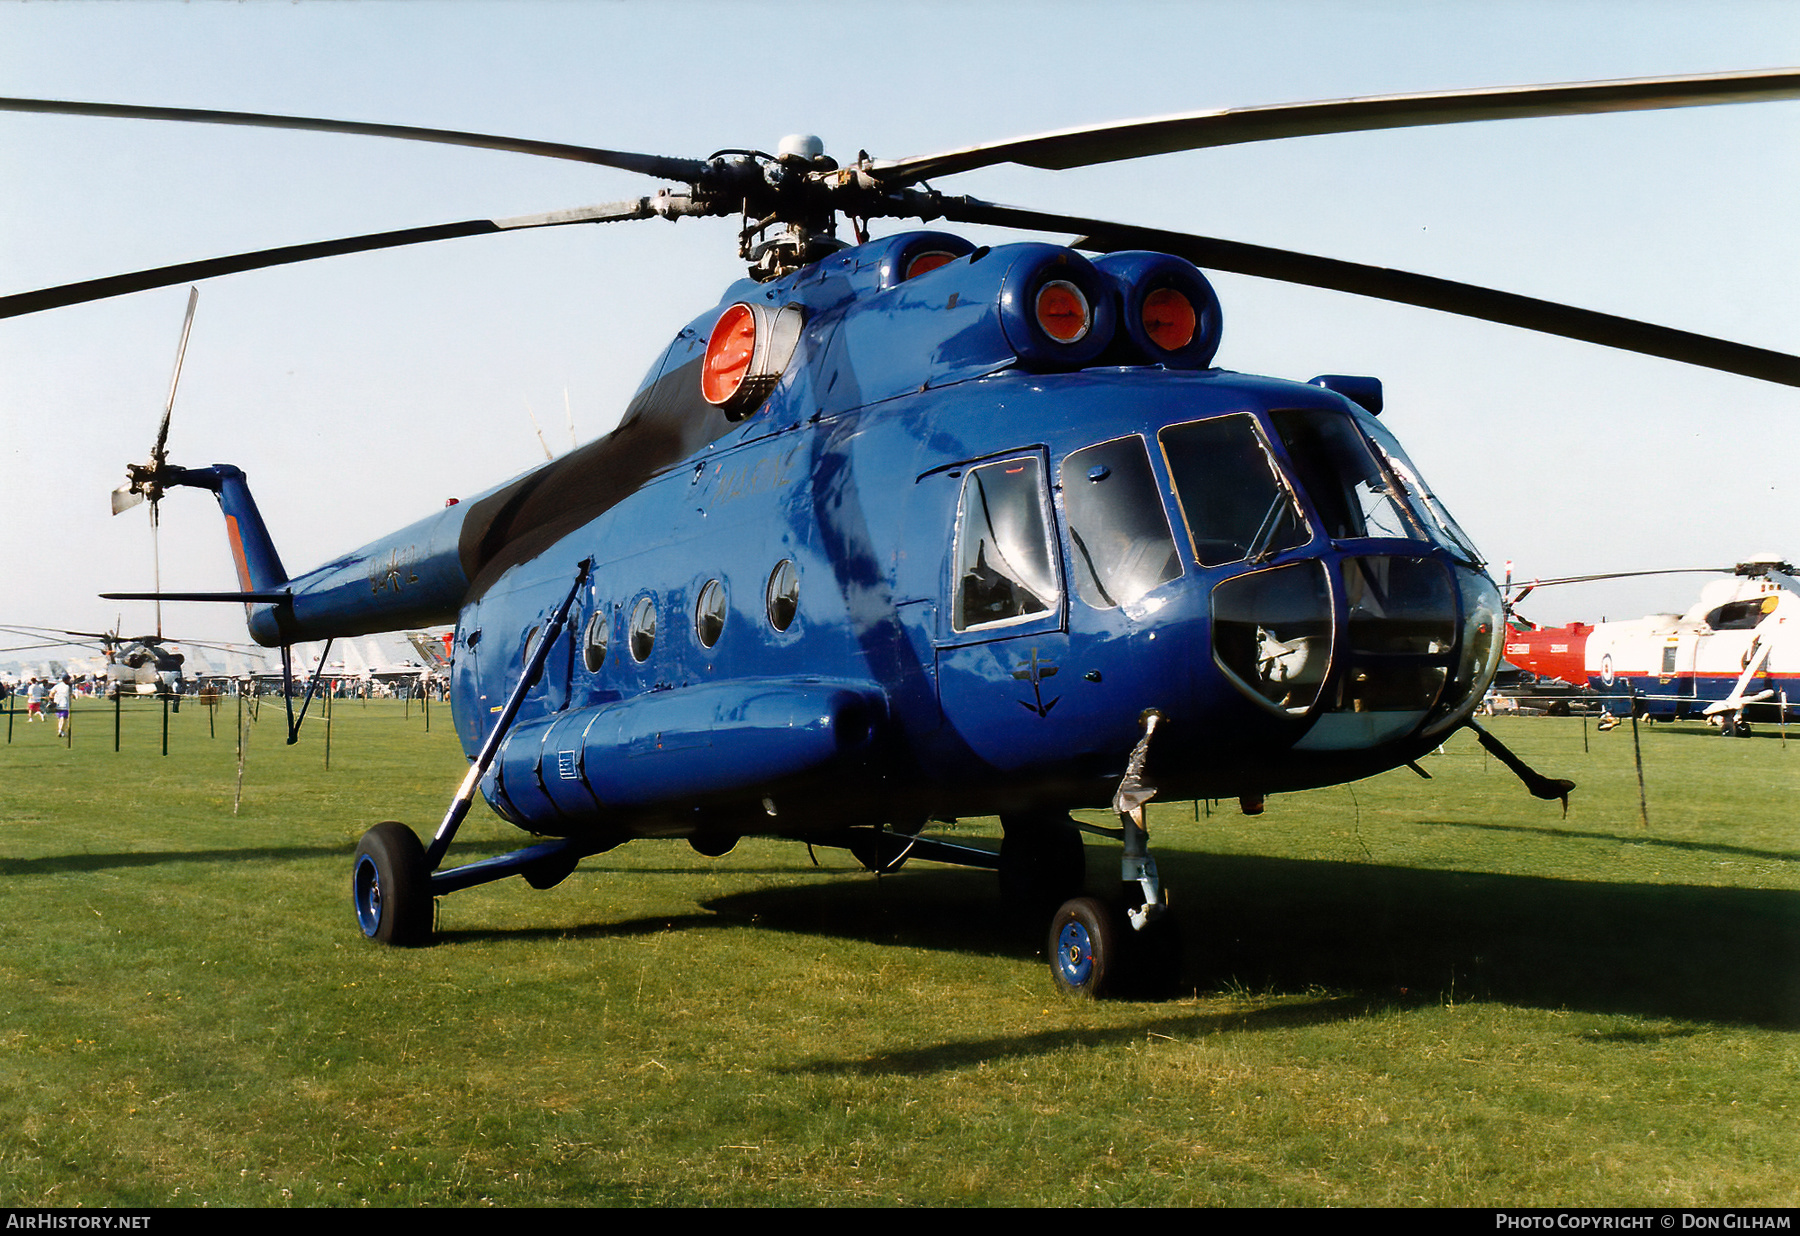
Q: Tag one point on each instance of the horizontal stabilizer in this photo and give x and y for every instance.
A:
(242, 598)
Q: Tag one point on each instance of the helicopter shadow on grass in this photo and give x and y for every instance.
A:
(1372, 935)
(934, 908)
(62, 864)
(1725, 955)
(941, 910)
(1701, 847)
(1187, 1025)
(1386, 934)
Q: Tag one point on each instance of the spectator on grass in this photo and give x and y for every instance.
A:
(59, 699)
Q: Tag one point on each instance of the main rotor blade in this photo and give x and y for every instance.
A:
(263, 598)
(61, 643)
(243, 650)
(53, 637)
(1131, 139)
(43, 632)
(663, 166)
(163, 276)
(1588, 579)
(1464, 299)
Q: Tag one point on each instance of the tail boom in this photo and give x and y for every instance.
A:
(411, 578)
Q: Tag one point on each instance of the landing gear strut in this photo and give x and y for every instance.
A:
(394, 877)
(1094, 952)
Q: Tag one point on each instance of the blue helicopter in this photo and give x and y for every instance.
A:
(907, 530)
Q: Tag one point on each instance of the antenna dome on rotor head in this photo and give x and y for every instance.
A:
(805, 146)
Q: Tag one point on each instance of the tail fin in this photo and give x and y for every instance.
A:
(259, 567)
(252, 549)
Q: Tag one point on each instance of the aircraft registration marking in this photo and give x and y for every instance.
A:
(396, 572)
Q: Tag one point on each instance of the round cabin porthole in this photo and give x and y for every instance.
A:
(643, 629)
(709, 613)
(783, 594)
(593, 641)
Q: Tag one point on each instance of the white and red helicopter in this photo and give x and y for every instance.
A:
(1732, 658)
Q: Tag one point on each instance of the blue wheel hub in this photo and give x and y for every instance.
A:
(1074, 954)
(365, 891)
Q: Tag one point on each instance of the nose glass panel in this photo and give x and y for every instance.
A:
(1401, 637)
(1407, 651)
(1480, 653)
(1272, 633)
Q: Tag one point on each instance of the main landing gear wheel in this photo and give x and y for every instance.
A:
(1084, 948)
(390, 886)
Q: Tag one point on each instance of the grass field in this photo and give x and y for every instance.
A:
(1400, 992)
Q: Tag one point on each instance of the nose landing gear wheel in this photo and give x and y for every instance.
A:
(390, 886)
(1083, 947)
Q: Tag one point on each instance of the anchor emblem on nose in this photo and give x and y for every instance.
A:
(1034, 672)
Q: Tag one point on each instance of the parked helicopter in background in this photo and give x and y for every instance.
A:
(912, 529)
(132, 664)
(1732, 658)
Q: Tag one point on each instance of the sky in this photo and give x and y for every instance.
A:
(358, 393)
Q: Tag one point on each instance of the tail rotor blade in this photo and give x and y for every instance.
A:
(124, 498)
(158, 453)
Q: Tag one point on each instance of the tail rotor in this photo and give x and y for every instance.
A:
(146, 480)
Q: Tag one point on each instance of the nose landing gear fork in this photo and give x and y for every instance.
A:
(1135, 865)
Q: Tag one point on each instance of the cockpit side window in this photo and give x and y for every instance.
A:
(1234, 499)
(1740, 615)
(1005, 571)
(1117, 527)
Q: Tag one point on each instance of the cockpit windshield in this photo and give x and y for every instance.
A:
(1430, 511)
(1234, 499)
(1361, 482)
(1352, 491)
